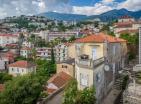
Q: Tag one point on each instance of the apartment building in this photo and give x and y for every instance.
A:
(99, 57)
(8, 39)
(48, 36)
(26, 52)
(44, 53)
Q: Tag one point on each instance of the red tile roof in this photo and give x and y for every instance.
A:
(60, 79)
(22, 64)
(99, 38)
(128, 31)
(2, 87)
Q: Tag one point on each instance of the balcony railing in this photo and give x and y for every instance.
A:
(89, 63)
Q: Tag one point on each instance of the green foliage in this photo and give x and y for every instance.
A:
(86, 96)
(21, 90)
(125, 82)
(20, 58)
(133, 39)
(71, 92)
(72, 38)
(52, 56)
(4, 77)
(74, 96)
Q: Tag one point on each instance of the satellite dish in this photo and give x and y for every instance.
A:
(107, 68)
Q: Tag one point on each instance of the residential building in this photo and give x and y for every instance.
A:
(99, 57)
(27, 44)
(62, 52)
(57, 82)
(26, 52)
(67, 66)
(8, 39)
(44, 53)
(48, 36)
(126, 25)
(5, 59)
(21, 68)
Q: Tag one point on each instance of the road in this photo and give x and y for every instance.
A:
(56, 99)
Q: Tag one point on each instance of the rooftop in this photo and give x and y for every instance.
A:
(60, 79)
(69, 61)
(22, 64)
(100, 38)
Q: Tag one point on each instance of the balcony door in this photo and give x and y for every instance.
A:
(94, 53)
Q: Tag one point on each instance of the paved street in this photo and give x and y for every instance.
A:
(56, 99)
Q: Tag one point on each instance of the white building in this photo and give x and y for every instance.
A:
(44, 53)
(48, 36)
(62, 52)
(8, 39)
(26, 52)
(21, 68)
(27, 44)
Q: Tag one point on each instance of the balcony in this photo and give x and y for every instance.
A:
(85, 62)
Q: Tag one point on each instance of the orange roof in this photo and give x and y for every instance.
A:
(26, 48)
(60, 79)
(128, 31)
(22, 64)
(2, 87)
(100, 38)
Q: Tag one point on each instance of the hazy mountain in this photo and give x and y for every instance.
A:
(107, 16)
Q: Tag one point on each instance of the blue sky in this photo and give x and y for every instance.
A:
(85, 7)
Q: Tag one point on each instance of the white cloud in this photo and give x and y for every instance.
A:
(28, 7)
(87, 10)
(132, 5)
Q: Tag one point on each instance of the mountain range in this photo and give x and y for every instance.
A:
(107, 16)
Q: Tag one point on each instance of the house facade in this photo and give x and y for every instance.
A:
(8, 39)
(26, 52)
(21, 68)
(99, 57)
(67, 66)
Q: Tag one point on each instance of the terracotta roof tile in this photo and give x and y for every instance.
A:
(60, 79)
(22, 64)
(99, 38)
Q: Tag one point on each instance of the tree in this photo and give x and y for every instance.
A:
(21, 90)
(4, 77)
(52, 56)
(74, 96)
(71, 92)
(86, 96)
(72, 38)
